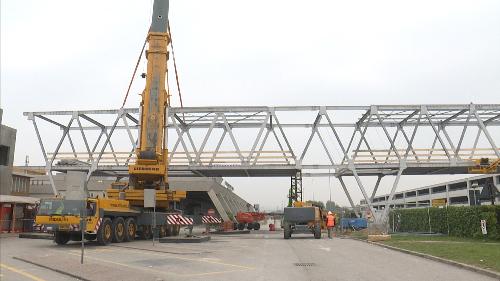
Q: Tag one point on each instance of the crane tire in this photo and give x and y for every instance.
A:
(241, 226)
(105, 232)
(118, 229)
(146, 232)
(61, 238)
(130, 229)
(317, 231)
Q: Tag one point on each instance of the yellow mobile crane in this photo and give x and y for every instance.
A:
(122, 215)
(150, 169)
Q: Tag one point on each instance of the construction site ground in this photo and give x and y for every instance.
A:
(260, 255)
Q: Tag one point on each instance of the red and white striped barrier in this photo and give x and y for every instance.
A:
(179, 220)
(210, 220)
(74, 227)
(39, 228)
(97, 225)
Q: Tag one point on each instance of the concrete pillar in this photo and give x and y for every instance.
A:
(230, 201)
(448, 193)
(218, 205)
(430, 196)
(13, 220)
(468, 191)
(496, 184)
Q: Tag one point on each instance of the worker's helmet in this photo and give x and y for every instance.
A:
(329, 212)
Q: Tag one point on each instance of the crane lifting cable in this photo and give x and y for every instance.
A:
(135, 71)
(175, 65)
(175, 70)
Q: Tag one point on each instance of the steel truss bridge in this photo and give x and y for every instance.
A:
(260, 141)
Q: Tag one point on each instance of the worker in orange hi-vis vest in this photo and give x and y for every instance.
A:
(330, 223)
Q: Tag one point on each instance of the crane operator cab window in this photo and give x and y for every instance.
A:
(58, 207)
(91, 207)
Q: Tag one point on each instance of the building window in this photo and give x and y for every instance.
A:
(458, 186)
(423, 191)
(4, 155)
(458, 200)
(439, 189)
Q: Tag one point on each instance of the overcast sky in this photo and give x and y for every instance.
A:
(63, 55)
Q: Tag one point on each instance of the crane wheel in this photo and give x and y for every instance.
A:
(176, 230)
(118, 229)
(162, 231)
(256, 225)
(61, 238)
(241, 226)
(249, 226)
(146, 232)
(105, 232)
(168, 230)
(130, 229)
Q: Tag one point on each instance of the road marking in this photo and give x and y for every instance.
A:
(325, 249)
(213, 272)
(126, 265)
(167, 255)
(19, 271)
(197, 260)
(210, 259)
(162, 272)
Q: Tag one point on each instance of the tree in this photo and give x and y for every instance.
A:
(330, 205)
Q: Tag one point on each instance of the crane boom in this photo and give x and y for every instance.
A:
(150, 169)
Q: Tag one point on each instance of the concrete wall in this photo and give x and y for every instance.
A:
(7, 141)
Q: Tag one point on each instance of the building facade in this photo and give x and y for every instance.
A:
(7, 148)
(478, 190)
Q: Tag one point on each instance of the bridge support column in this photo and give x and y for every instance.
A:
(295, 193)
(385, 215)
(376, 187)
(352, 167)
(348, 195)
(218, 205)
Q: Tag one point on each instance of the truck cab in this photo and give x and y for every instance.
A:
(58, 213)
(107, 220)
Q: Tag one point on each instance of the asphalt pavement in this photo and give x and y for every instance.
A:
(260, 255)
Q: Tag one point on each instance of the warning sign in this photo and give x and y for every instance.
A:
(438, 202)
(483, 227)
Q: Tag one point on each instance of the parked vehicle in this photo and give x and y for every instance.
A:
(248, 220)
